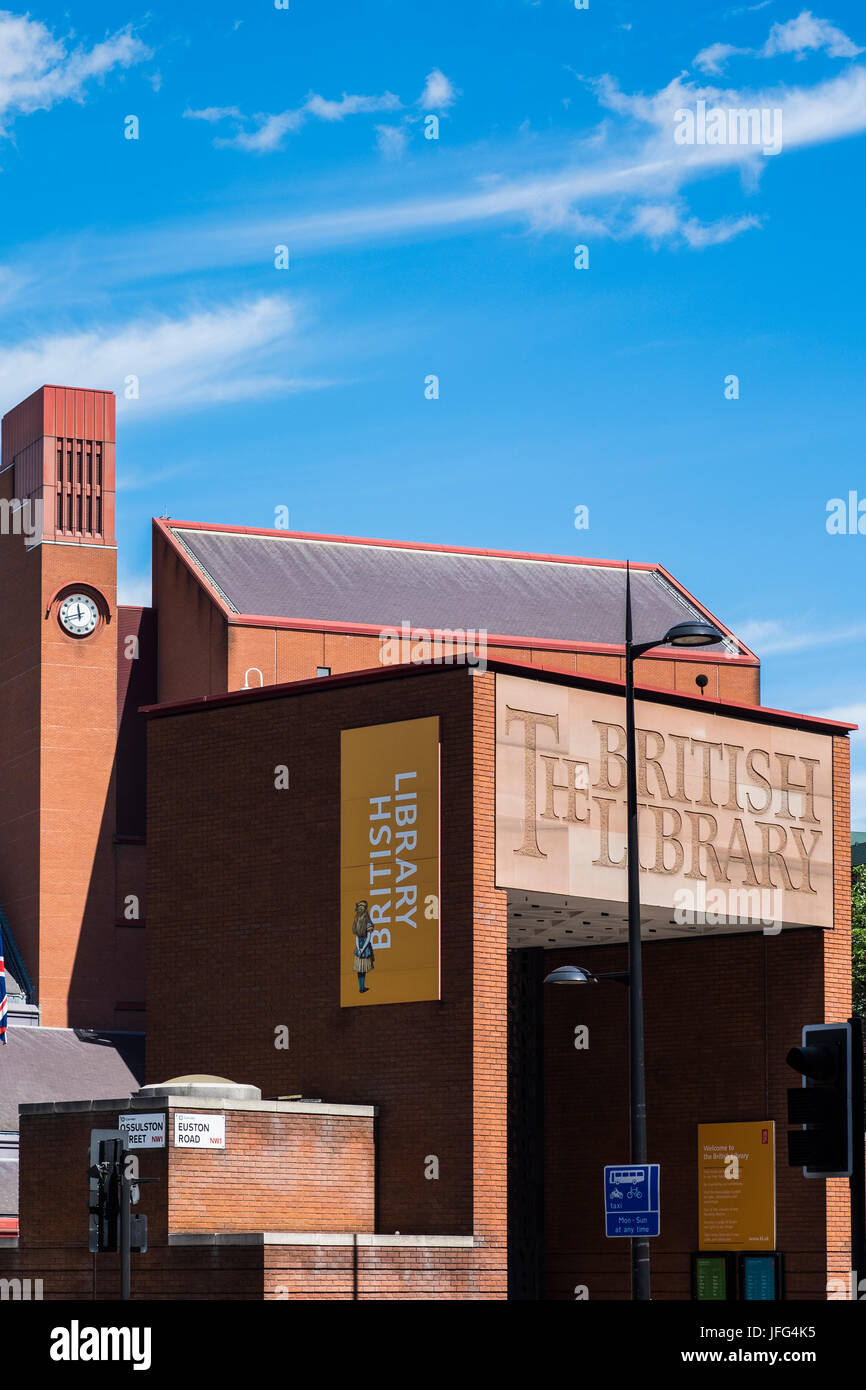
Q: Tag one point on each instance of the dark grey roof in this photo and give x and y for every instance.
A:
(332, 581)
(41, 1064)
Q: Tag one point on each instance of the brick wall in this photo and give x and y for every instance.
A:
(190, 629)
(78, 741)
(837, 991)
(252, 1270)
(281, 1171)
(361, 1271)
(136, 686)
(288, 654)
(278, 1172)
(20, 729)
(490, 968)
(245, 874)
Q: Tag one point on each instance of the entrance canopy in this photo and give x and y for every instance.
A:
(551, 922)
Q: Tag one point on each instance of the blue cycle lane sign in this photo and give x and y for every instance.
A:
(631, 1199)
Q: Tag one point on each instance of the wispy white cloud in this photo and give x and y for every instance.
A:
(774, 638)
(628, 161)
(657, 222)
(266, 136)
(214, 113)
(38, 70)
(265, 132)
(748, 9)
(829, 110)
(350, 106)
(215, 356)
(713, 59)
(797, 36)
(391, 140)
(136, 480)
(808, 33)
(664, 222)
(853, 712)
(699, 234)
(439, 92)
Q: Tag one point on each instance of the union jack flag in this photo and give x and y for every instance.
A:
(2, 994)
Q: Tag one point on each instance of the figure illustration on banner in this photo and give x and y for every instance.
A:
(362, 930)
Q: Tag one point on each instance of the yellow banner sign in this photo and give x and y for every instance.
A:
(737, 1186)
(389, 863)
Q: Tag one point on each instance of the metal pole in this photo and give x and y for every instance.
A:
(858, 1176)
(124, 1229)
(640, 1256)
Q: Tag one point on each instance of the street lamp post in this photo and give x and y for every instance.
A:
(695, 633)
(640, 1250)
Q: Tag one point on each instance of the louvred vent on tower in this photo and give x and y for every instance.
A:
(60, 442)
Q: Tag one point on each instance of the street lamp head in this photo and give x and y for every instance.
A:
(570, 975)
(693, 634)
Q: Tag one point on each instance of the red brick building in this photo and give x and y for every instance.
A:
(266, 655)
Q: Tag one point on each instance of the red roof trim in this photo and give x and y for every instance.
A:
(707, 614)
(757, 713)
(198, 574)
(57, 386)
(164, 522)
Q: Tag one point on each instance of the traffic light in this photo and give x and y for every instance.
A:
(105, 1173)
(823, 1103)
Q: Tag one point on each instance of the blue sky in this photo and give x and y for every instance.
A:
(408, 257)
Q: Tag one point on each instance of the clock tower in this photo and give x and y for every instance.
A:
(58, 699)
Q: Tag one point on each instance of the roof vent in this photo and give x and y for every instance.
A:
(205, 1087)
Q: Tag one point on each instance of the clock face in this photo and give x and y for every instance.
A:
(78, 615)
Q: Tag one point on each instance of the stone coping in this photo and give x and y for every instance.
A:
(362, 1239)
(157, 1105)
(307, 1238)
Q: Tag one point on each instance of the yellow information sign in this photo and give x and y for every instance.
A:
(389, 863)
(737, 1186)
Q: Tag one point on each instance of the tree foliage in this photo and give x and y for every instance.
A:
(858, 938)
